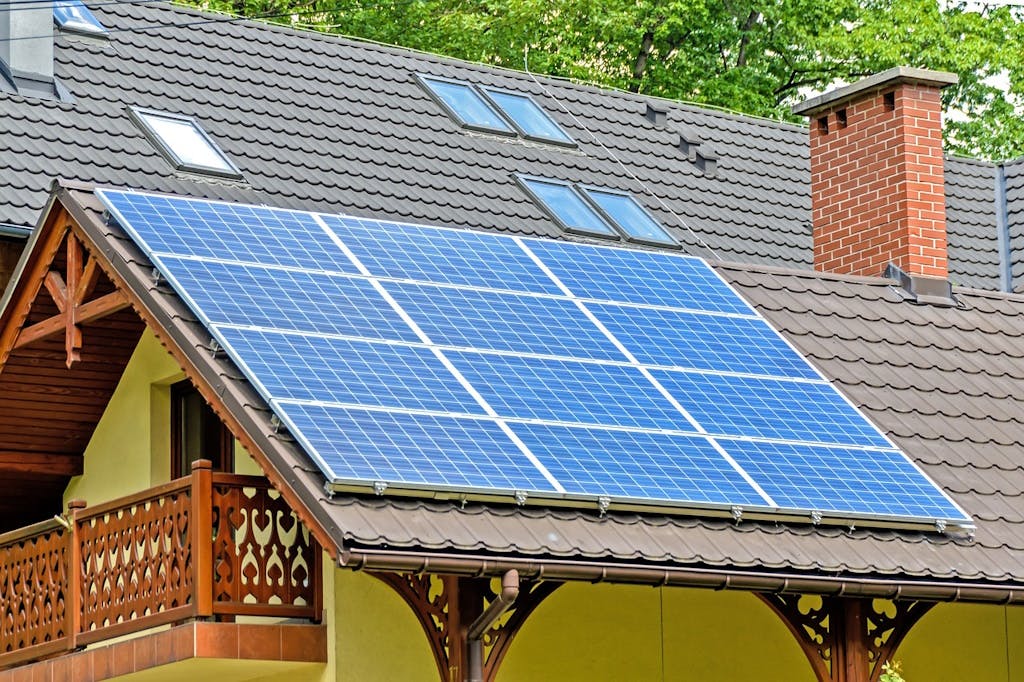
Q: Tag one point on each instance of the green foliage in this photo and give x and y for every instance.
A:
(891, 673)
(754, 56)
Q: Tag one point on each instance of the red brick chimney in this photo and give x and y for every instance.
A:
(877, 191)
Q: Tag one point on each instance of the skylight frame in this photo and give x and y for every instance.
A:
(523, 180)
(510, 129)
(565, 141)
(85, 23)
(139, 115)
(585, 191)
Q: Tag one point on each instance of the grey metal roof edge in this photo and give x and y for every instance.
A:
(974, 162)
(884, 79)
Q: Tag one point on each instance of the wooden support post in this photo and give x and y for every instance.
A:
(75, 578)
(446, 605)
(846, 639)
(201, 537)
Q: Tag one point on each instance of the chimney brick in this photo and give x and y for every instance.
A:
(877, 188)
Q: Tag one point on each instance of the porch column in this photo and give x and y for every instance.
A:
(445, 606)
(846, 639)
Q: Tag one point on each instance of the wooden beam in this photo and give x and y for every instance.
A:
(13, 462)
(58, 291)
(87, 312)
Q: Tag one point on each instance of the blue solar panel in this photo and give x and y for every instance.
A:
(839, 479)
(324, 369)
(701, 341)
(636, 464)
(234, 232)
(770, 408)
(508, 322)
(360, 445)
(228, 293)
(371, 400)
(632, 276)
(429, 254)
(568, 391)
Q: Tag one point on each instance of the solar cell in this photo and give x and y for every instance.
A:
(507, 322)
(700, 341)
(315, 368)
(770, 408)
(371, 400)
(838, 479)
(362, 445)
(237, 294)
(429, 254)
(636, 464)
(568, 391)
(632, 276)
(235, 232)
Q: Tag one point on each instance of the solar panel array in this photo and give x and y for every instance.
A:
(431, 359)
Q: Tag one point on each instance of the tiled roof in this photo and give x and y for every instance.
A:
(944, 383)
(324, 123)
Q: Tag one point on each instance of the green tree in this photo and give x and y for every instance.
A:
(754, 56)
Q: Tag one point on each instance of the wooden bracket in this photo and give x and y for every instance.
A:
(69, 293)
(445, 605)
(846, 639)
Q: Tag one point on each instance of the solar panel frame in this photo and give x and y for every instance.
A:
(957, 519)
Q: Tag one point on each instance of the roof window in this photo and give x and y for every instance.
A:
(467, 106)
(527, 116)
(184, 142)
(73, 15)
(630, 217)
(568, 208)
(596, 211)
(496, 111)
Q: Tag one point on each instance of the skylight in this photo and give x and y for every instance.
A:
(467, 106)
(630, 217)
(568, 208)
(596, 211)
(184, 142)
(495, 111)
(73, 15)
(528, 117)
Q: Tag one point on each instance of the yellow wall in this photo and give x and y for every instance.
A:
(120, 457)
(961, 642)
(619, 632)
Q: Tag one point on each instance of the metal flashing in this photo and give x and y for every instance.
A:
(1003, 231)
(879, 81)
(922, 290)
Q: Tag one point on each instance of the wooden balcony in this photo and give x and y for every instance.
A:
(210, 546)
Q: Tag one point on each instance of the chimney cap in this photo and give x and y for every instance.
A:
(879, 81)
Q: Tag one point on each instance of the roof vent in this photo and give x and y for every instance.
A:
(921, 290)
(657, 116)
(705, 159)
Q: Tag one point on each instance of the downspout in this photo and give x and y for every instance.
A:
(1003, 231)
(475, 633)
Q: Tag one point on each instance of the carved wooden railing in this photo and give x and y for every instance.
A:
(210, 545)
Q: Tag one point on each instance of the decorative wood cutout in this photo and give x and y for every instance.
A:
(69, 292)
(446, 605)
(846, 639)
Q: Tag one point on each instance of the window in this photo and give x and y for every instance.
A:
(73, 15)
(596, 211)
(568, 208)
(630, 217)
(197, 432)
(185, 144)
(495, 111)
(528, 117)
(467, 106)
